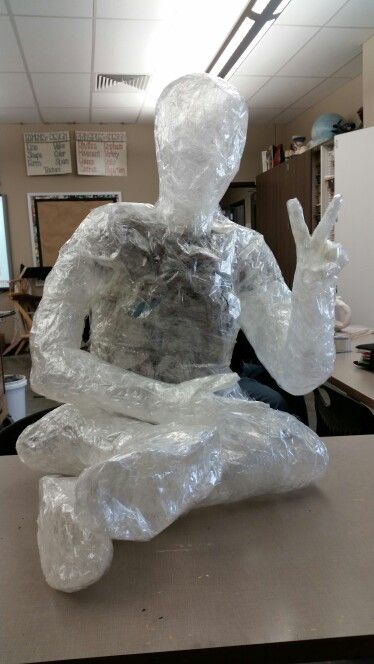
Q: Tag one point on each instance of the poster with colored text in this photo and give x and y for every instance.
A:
(101, 153)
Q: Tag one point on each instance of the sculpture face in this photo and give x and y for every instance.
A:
(200, 132)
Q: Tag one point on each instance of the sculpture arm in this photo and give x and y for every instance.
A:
(292, 333)
(64, 372)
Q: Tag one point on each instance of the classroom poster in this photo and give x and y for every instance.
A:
(47, 153)
(101, 152)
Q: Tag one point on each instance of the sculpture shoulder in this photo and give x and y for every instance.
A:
(99, 235)
(246, 239)
(248, 242)
(256, 262)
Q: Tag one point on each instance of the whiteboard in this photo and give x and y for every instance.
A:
(5, 260)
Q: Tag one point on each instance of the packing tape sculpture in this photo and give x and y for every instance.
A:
(153, 423)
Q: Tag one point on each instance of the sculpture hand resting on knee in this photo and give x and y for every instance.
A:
(153, 424)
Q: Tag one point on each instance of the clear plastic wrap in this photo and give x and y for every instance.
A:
(136, 495)
(71, 555)
(167, 288)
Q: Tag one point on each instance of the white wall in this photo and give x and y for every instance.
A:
(346, 100)
(368, 82)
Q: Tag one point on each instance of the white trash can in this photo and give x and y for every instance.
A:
(15, 390)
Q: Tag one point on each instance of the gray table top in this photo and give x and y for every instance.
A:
(354, 381)
(270, 571)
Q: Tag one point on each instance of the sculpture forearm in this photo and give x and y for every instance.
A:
(293, 333)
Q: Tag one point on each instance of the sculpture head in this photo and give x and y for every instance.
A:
(200, 132)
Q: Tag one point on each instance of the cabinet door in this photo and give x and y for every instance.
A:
(274, 188)
(355, 227)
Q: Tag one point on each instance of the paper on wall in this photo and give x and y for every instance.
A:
(101, 153)
(47, 153)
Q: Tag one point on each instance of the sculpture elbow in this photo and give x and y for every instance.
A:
(38, 383)
(300, 385)
(48, 374)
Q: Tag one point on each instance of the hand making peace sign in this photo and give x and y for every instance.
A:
(316, 253)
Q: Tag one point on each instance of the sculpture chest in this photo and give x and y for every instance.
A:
(169, 309)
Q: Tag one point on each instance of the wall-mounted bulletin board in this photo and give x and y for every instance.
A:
(54, 218)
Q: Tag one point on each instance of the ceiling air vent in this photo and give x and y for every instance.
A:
(121, 82)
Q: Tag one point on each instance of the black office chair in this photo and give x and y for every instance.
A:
(339, 415)
(9, 434)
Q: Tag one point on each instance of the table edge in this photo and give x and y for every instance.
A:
(284, 652)
(352, 392)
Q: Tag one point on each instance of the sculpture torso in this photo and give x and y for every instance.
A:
(168, 306)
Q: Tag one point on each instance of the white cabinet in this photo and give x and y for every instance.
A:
(354, 179)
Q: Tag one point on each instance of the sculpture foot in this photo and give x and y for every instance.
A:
(72, 556)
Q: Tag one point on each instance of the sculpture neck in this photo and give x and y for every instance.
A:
(181, 217)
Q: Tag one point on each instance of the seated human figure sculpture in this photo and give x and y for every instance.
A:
(152, 423)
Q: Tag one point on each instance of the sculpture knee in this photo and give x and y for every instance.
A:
(45, 445)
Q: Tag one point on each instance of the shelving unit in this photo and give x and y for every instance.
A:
(323, 180)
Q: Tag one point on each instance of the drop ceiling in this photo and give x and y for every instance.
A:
(52, 50)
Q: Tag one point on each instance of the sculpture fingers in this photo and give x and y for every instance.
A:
(298, 226)
(335, 253)
(327, 222)
(217, 382)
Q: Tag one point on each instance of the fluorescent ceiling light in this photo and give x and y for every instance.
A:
(259, 6)
(249, 48)
(233, 44)
(282, 5)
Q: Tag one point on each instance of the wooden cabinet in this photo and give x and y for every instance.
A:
(292, 179)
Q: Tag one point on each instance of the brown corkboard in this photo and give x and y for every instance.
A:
(57, 220)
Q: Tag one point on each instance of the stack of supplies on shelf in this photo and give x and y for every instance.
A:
(366, 360)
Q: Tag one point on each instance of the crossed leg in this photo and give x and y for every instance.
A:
(67, 440)
(138, 493)
(138, 478)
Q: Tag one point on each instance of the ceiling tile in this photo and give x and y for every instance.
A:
(65, 114)
(52, 7)
(132, 46)
(281, 91)
(275, 49)
(56, 44)
(355, 14)
(138, 9)
(3, 9)
(117, 100)
(15, 90)
(352, 69)
(309, 12)
(248, 85)
(262, 115)
(288, 115)
(128, 115)
(62, 89)
(320, 92)
(10, 57)
(330, 49)
(17, 115)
